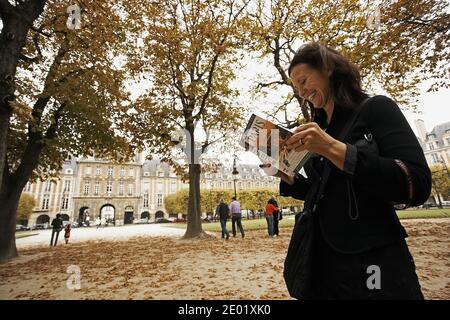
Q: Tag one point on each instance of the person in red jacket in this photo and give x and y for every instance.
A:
(268, 211)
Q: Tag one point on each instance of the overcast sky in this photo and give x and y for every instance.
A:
(433, 107)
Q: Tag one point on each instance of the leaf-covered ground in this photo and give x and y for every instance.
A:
(167, 268)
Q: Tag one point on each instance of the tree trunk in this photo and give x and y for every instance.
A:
(10, 191)
(9, 199)
(194, 223)
(5, 116)
(17, 20)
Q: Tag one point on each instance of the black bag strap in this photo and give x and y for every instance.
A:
(342, 136)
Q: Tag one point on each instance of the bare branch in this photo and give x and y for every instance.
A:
(265, 85)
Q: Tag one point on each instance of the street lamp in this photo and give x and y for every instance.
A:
(235, 173)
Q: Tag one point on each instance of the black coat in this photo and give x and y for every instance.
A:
(377, 179)
(223, 211)
(57, 224)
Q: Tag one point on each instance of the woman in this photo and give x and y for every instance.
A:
(356, 229)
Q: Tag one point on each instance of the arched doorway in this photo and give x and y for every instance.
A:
(65, 217)
(43, 219)
(129, 215)
(84, 212)
(108, 212)
(159, 214)
(145, 215)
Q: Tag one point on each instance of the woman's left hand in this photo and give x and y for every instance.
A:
(312, 138)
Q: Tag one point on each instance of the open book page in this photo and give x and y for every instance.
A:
(266, 140)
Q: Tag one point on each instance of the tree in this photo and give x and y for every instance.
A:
(70, 97)
(25, 207)
(16, 21)
(177, 203)
(189, 53)
(406, 43)
(441, 182)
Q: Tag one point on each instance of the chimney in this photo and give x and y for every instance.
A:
(422, 131)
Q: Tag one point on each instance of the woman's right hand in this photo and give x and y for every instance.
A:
(272, 171)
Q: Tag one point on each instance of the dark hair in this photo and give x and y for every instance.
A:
(58, 215)
(233, 198)
(345, 79)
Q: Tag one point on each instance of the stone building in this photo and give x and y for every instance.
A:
(124, 192)
(435, 145)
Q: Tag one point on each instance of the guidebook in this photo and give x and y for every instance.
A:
(267, 141)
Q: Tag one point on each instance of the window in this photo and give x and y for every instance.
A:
(86, 188)
(27, 187)
(122, 171)
(45, 202)
(146, 199)
(159, 202)
(98, 171)
(431, 146)
(48, 186)
(88, 170)
(130, 189)
(65, 203)
(96, 187)
(160, 174)
(110, 171)
(109, 188)
(67, 185)
(448, 141)
(131, 172)
(435, 158)
(159, 187)
(173, 187)
(121, 188)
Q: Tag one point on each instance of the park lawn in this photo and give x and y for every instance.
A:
(288, 221)
(430, 213)
(251, 224)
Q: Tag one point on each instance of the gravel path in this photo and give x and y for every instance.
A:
(92, 233)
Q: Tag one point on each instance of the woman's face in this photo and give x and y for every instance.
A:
(311, 84)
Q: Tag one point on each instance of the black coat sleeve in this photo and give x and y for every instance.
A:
(396, 141)
(298, 190)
